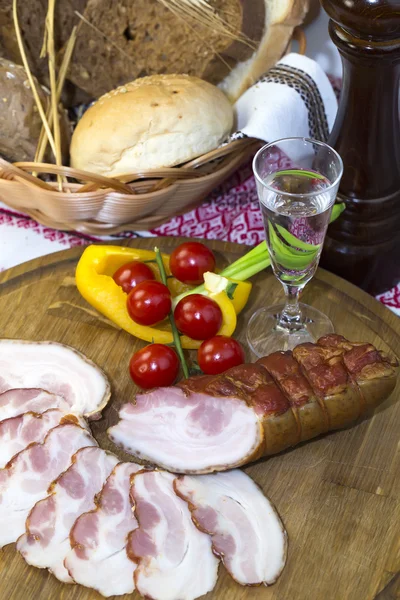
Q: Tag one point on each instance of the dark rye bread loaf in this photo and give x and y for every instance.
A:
(32, 16)
(136, 38)
(20, 122)
(143, 37)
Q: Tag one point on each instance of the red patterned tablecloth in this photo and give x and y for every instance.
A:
(231, 213)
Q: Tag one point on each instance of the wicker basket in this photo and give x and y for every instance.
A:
(103, 205)
(98, 205)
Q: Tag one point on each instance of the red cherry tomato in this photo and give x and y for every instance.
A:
(219, 354)
(149, 302)
(189, 261)
(154, 366)
(130, 275)
(198, 317)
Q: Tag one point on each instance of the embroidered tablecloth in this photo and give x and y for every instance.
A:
(230, 213)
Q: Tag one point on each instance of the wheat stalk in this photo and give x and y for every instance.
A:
(30, 77)
(197, 34)
(42, 144)
(49, 39)
(202, 12)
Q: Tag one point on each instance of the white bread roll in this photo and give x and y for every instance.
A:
(152, 122)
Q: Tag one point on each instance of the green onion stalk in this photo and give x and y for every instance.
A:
(258, 259)
(175, 332)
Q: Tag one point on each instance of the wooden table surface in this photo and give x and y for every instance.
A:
(339, 495)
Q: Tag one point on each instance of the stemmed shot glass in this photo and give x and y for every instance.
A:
(296, 205)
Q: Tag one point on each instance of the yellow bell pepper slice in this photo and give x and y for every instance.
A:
(238, 291)
(95, 283)
(241, 294)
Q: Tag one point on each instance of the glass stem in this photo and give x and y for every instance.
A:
(290, 318)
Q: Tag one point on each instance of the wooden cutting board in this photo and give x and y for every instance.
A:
(339, 496)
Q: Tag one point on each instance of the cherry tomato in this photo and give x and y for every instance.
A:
(149, 302)
(154, 366)
(198, 317)
(219, 354)
(189, 261)
(130, 275)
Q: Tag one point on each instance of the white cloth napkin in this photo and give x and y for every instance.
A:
(294, 99)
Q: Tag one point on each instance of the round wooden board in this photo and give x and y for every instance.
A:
(339, 496)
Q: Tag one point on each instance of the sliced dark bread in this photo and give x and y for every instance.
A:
(32, 16)
(136, 38)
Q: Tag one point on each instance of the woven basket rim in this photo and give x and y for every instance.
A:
(23, 171)
(104, 212)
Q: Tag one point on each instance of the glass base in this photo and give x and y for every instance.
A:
(264, 335)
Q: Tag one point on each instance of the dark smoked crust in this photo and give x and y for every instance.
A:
(221, 555)
(340, 383)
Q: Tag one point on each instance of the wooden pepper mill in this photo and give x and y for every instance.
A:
(363, 246)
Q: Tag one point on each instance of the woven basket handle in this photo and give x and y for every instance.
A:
(170, 172)
(18, 174)
(100, 180)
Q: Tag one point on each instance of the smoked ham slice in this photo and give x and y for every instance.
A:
(46, 541)
(209, 424)
(18, 432)
(246, 532)
(183, 432)
(26, 478)
(175, 560)
(18, 401)
(58, 369)
(98, 558)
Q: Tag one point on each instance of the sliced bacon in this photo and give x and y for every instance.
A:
(58, 369)
(18, 401)
(18, 432)
(246, 531)
(26, 478)
(174, 558)
(46, 541)
(188, 432)
(98, 558)
(216, 423)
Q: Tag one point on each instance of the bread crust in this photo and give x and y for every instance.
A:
(273, 45)
(20, 122)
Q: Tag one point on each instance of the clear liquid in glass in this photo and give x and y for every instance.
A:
(295, 226)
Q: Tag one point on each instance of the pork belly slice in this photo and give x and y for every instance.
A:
(98, 558)
(58, 369)
(247, 533)
(26, 478)
(18, 401)
(189, 432)
(175, 560)
(18, 432)
(46, 541)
